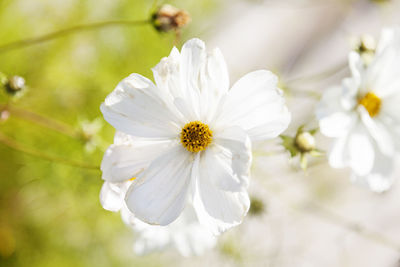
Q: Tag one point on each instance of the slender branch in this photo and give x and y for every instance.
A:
(42, 121)
(319, 76)
(67, 31)
(36, 153)
(355, 227)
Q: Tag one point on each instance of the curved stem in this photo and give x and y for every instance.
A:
(323, 213)
(312, 208)
(36, 153)
(66, 31)
(42, 121)
(321, 75)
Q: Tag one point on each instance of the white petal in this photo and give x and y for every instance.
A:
(388, 35)
(338, 156)
(382, 76)
(228, 161)
(389, 116)
(216, 73)
(193, 58)
(217, 209)
(356, 67)
(167, 74)
(112, 195)
(138, 108)
(127, 216)
(334, 121)
(337, 124)
(197, 79)
(381, 177)
(126, 160)
(215, 83)
(361, 151)
(186, 110)
(377, 130)
(350, 91)
(356, 150)
(159, 194)
(256, 104)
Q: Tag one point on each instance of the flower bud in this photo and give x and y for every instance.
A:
(168, 18)
(305, 142)
(15, 84)
(366, 44)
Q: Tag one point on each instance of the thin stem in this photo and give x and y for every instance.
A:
(319, 76)
(312, 208)
(36, 153)
(42, 121)
(66, 31)
(355, 227)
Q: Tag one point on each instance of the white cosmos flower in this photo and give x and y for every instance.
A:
(191, 136)
(185, 234)
(363, 115)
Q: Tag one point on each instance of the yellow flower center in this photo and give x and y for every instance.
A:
(196, 136)
(372, 103)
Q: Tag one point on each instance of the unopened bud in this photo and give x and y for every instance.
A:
(366, 44)
(15, 84)
(305, 142)
(168, 18)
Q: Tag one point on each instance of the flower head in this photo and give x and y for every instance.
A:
(168, 18)
(187, 138)
(363, 115)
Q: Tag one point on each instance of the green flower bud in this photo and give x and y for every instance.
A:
(15, 84)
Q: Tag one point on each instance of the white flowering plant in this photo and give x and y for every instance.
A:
(139, 145)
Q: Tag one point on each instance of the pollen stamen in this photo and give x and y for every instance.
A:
(196, 136)
(372, 103)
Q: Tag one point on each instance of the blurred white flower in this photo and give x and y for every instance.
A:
(363, 115)
(89, 131)
(191, 137)
(185, 234)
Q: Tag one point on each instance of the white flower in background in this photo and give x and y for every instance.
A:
(89, 132)
(185, 234)
(363, 115)
(191, 137)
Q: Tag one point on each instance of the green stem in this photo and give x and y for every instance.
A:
(36, 153)
(42, 121)
(73, 29)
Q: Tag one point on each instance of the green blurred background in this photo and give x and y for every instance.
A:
(50, 213)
